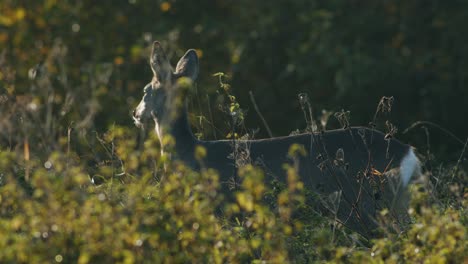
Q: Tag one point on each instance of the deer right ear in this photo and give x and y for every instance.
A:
(159, 63)
(188, 65)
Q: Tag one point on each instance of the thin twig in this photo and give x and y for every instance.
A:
(312, 120)
(70, 128)
(211, 116)
(455, 170)
(428, 144)
(260, 114)
(197, 95)
(436, 126)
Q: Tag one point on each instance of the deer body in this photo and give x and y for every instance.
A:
(361, 173)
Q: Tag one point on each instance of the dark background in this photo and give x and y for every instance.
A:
(343, 54)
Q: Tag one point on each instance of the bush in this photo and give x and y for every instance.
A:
(58, 214)
(77, 187)
(154, 212)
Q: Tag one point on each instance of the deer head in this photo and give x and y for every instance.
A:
(158, 100)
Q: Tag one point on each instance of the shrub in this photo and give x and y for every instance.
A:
(57, 214)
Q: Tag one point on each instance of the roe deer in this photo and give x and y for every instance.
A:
(361, 165)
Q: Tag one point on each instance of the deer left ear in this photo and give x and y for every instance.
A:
(188, 65)
(159, 63)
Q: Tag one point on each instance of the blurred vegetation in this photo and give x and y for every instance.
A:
(343, 54)
(51, 212)
(78, 183)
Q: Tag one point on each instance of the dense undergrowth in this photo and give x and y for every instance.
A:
(67, 195)
(149, 209)
(71, 194)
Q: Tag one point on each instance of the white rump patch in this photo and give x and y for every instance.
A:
(409, 167)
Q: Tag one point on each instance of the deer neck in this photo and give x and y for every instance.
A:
(185, 141)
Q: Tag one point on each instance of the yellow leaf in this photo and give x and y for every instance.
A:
(50, 3)
(118, 60)
(235, 58)
(255, 243)
(245, 201)
(199, 53)
(200, 152)
(16, 223)
(20, 14)
(6, 21)
(83, 258)
(283, 198)
(376, 172)
(165, 6)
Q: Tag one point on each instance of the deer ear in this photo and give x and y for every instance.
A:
(188, 65)
(159, 63)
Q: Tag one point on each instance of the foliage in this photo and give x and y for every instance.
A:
(343, 54)
(78, 183)
(59, 215)
(153, 213)
(436, 236)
